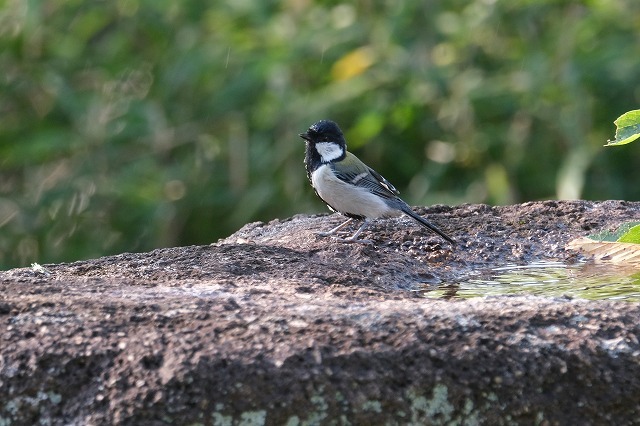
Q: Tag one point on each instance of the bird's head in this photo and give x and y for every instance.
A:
(326, 138)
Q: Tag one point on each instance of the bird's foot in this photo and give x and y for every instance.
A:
(333, 236)
(354, 240)
(330, 234)
(324, 234)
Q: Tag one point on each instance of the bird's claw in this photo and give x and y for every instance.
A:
(330, 234)
(323, 234)
(350, 240)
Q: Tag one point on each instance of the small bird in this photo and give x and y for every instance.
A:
(348, 186)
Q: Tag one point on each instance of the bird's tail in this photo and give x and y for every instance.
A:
(424, 222)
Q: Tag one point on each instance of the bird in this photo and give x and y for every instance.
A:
(350, 187)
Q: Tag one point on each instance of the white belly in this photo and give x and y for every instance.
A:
(347, 198)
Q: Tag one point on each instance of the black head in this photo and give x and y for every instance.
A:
(324, 144)
(324, 131)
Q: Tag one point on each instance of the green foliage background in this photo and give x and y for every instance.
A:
(132, 124)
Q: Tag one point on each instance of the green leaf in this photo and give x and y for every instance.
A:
(627, 128)
(631, 236)
(618, 234)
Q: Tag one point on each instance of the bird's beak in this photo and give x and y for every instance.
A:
(305, 136)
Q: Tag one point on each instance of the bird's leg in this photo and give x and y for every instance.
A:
(336, 229)
(351, 239)
(354, 237)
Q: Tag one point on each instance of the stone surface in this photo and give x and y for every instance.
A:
(274, 325)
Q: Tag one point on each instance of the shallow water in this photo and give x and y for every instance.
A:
(550, 279)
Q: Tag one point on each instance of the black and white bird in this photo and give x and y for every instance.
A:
(349, 186)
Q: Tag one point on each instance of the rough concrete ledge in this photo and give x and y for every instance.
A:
(276, 326)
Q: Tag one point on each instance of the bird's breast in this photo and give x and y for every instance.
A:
(348, 198)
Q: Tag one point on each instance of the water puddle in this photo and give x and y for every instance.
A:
(549, 279)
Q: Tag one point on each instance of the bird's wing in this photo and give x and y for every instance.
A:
(353, 171)
(384, 182)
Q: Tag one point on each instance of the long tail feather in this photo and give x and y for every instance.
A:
(424, 222)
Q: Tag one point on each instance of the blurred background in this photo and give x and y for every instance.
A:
(128, 125)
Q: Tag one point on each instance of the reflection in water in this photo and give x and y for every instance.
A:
(550, 279)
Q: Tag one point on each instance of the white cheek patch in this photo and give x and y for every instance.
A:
(329, 151)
